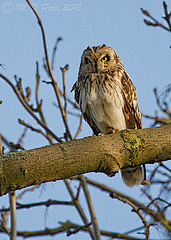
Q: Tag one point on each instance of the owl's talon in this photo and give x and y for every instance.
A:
(100, 134)
(110, 130)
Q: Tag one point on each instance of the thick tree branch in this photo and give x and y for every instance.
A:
(105, 153)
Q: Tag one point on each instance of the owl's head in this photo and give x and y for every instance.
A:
(98, 59)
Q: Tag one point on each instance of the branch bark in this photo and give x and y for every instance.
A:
(104, 153)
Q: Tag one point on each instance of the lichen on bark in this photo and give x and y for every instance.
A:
(132, 143)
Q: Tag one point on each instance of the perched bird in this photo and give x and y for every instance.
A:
(107, 98)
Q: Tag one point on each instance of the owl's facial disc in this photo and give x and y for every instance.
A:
(93, 63)
(87, 60)
(105, 58)
(98, 59)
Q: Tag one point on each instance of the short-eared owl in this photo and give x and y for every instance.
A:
(107, 98)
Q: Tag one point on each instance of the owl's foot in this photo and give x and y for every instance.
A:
(100, 134)
(111, 130)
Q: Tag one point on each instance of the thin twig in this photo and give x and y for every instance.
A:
(26, 190)
(64, 69)
(28, 108)
(79, 127)
(125, 200)
(156, 23)
(158, 217)
(91, 208)
(32, 128)
(165, 110)
(4, 215)
(157, 119)
(2, 66)
(12, 199)
(165, 167)
(22, 136)
(78, 207)
(152, 201)
(54, 83)
(135, 230)
(39, 104)
(47, 203)
(74, 104)
(13, 147)
(3, 222)
(66, 227)
(77, 229)
(1, 147)
(54, 52)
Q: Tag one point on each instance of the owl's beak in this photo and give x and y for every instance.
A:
(95, 66)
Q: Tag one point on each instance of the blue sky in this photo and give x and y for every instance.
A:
(143, 50)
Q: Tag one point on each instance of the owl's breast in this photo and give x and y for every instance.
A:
(102, 101)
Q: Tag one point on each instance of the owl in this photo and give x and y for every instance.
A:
(107, 98)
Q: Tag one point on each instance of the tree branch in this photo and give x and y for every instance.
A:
(12, 199)
(104, 153)
(126, 200)
(79, 208)
(28, 108)
(91, 208)
(66, 227)
(50, 72)
(156, 215)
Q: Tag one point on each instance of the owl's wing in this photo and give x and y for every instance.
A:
(75, 89)
(131, 109)
(79, 91)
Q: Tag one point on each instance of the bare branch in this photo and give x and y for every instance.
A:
(28, 108)
(79, 209)
(91, 208)
(2, 66)
(79, 127)
(54, 83)
(157, 216)
(156, 23)
(125, 200)
(66, 227)
(22, 136)
(3, 222)
(60, 161)
(38, 204)
(64, 69)
(1, 147)
(39, 104)
(13, 232)
(32, 128)
(165, 110)
(54, 51)
(26, 190)
(158, 120)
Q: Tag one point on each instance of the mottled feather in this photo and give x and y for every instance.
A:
(107, 97)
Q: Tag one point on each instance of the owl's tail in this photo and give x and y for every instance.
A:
(132, 176)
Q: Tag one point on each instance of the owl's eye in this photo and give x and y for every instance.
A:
(105, 59)
(87, 60)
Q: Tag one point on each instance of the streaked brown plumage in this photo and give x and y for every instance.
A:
(107, 97)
